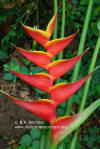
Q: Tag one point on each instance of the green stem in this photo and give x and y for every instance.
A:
(72, 143)
(48, 134)
(62, 145)
(48, 138)
(55, 30)
(80, 50)
(44, 142)
(81, 118)
(85, 92)
(62, 31)
(93, 61)
(62, 27)
(42, 138)
(94, 106)
(53, 146)
(77, 67)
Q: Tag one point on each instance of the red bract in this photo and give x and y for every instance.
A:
(62, 91)
(39, 58)
(63, 126)
(59, 126)
(55, 46)
(41, 81)
(41, 36)
(59, 67)
(45, 108)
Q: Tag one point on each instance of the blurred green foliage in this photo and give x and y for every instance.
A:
(29, 13)
(76, 16)
(10, 21)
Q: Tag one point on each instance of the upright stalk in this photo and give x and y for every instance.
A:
(43, 137)
(85, 91)
(80, 50)
(62, 27)
(48, 137)
(61, 53)
(53, 146)
(62, 30)
(55, 30)
(77, 66)
(48, 134)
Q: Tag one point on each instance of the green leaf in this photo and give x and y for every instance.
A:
(96, 147)
(75, 2)
(5, 138)
(3, 54)
(35, 133)
(14, 26)
(24, 69)
(94, 28)
(14, 65)
(92, 132)
(98, 139)
(98, 88)
(84, 2)
(8, 76)
(5, 39)
(91, 141)
(15, 79)
(91, 91)
(60, 111)
(77, 99)
(26, 62)
(31, 147)
(39, 91)
(97, 1)
(98, 25)
(35, 144)
(96, 11)
(62, 80)
(11, 33)
(1, 5)
(67, 140)
(78, 146)
(85, 138)
(35, 70)
(5, 67)
(26, 140)
(20, 147)
(80, 118)
(63, 104)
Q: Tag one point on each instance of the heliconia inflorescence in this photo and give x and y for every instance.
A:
(60, 92)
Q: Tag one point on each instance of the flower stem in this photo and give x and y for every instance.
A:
(62, 27)
(93, 61)
(87, 112)
(53, 146)
(42, 137)
(55, 30)
(48, 134)
(80, 50)
(48, 138)
(85, 91)
(77, 66)
(62, 31)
